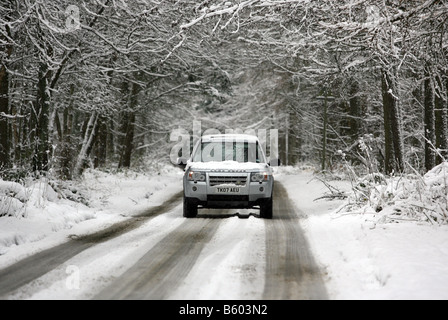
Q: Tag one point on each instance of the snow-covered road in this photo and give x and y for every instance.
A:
(358, 254)
(159, 255)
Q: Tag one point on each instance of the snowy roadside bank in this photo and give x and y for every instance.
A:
(366, 258)
(44, 219)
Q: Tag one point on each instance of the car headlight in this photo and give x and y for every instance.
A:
(196, 176)
(259, 176)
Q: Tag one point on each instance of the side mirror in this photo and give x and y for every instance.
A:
(182, 162)
(274, 162)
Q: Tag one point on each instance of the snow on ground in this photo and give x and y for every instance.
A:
(231, 266)
(43, 219)
(363, 255)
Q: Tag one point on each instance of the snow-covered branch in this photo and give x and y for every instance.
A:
(219, 10)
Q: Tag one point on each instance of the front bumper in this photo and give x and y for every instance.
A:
(243, 194)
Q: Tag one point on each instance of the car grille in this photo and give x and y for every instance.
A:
(236, 180)
(227, 198)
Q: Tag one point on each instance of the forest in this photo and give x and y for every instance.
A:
(103, 83)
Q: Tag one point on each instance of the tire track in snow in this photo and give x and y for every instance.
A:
(35, 266)
(161, 270)
(291, 272)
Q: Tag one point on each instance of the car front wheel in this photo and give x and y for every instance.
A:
(190, 208)
(266, 209)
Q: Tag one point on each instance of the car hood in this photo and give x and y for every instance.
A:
(226, 166)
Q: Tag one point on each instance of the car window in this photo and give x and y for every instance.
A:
(229, 151)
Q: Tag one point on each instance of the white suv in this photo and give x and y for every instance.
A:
(227, 171)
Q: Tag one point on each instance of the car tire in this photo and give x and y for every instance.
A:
(190, 208)
(266, 209)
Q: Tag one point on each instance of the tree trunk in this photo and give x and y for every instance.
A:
(88, 141)
(128, 142)
(4, 104)
(4, 109)
(429, 120)
(389, 154)
(324, 134)
(66, 156)
(105, 142)
(101, 149)
(41, 120)
(441, 121)
(394, 156)
(355, 112)
(128, 127)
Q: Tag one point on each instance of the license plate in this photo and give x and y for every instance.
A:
(227, 190)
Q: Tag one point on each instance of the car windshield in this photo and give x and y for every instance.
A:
(229, 151)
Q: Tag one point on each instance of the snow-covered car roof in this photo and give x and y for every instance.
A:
(230, 137)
